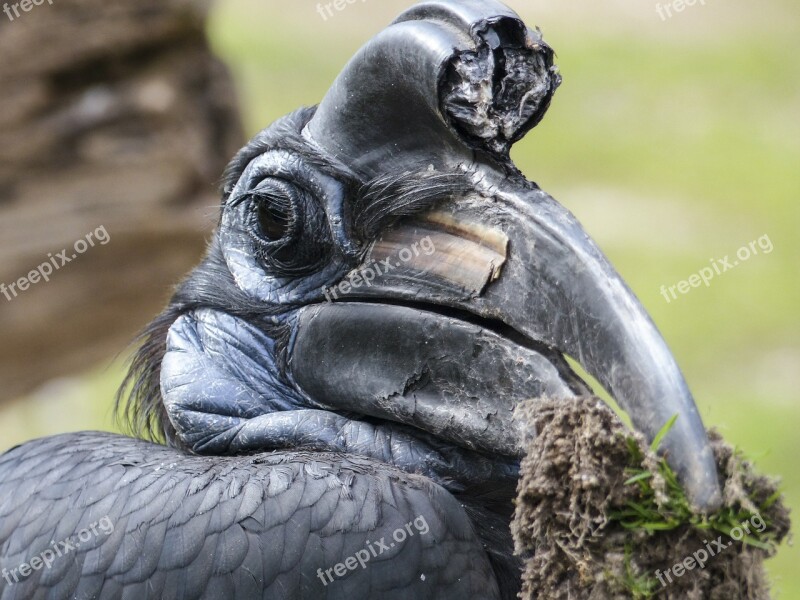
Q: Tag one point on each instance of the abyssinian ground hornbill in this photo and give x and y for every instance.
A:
(337, 379)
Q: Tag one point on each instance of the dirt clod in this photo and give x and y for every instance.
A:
(577, 519)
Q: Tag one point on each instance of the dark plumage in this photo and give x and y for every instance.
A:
(382, 290)
(251, 527)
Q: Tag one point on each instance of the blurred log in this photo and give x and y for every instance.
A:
(115, 115)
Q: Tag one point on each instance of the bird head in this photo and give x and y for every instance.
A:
(380, 257)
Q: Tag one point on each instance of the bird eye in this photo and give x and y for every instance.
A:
(274, 214)
(287, 227)
(274, 220)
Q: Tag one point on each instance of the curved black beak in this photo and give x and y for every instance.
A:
(453, 85)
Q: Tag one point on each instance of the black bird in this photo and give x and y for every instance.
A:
(336, 381)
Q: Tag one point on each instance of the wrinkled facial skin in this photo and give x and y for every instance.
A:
(237, 378)
(385, 282)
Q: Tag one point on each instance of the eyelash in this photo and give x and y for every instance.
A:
(305, 241)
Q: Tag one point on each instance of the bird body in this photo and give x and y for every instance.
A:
(273, 526)
(304, 427)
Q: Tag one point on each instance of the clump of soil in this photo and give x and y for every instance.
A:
(586, 531)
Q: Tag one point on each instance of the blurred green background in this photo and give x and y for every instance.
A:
(674, 141)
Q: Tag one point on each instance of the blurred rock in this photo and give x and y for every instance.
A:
(114, 116)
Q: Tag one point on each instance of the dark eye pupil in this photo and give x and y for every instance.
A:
(286, 226)
(275, 210)
(274, 220)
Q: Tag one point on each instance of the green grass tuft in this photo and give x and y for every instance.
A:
(652, 511)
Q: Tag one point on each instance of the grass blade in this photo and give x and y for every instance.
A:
(664, 431)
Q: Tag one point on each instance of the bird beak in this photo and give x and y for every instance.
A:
(453, 85)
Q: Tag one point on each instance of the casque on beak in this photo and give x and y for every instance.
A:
(453, 85)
